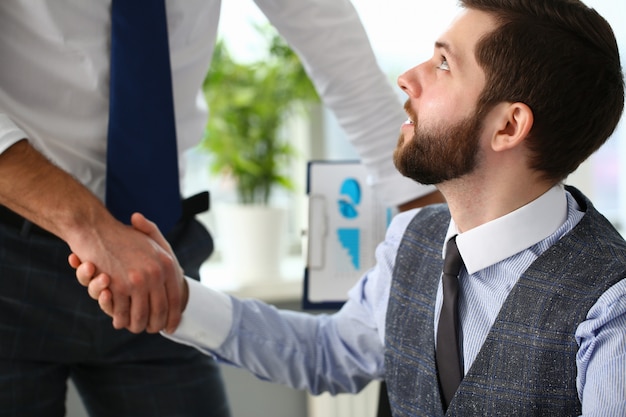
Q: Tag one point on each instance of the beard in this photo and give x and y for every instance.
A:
(440, 154)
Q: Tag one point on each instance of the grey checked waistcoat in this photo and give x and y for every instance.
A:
(527, 365)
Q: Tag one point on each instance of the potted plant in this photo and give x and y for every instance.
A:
(248, 104)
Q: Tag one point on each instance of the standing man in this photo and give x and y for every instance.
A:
(55, 116)
(528, 316)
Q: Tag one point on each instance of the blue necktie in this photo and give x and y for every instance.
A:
(142, 159)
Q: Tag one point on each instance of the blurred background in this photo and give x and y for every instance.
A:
(402, 33)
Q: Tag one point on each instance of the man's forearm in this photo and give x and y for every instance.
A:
(144, 277)
(38, 190)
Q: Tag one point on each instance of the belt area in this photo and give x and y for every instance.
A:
(25, 227)
(193, 205)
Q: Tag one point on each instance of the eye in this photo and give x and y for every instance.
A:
(444, 64)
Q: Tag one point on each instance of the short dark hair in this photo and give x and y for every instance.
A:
(560, 58)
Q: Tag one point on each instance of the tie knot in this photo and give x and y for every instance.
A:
(453, 262)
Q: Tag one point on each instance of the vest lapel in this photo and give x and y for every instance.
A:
(409, 340)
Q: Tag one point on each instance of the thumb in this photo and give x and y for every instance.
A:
(144, 225)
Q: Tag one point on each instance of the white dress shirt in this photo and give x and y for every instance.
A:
(344, 351)
(55, 71)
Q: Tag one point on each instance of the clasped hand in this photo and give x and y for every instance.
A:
(151, 300)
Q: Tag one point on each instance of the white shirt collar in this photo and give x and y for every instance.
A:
(505, 236)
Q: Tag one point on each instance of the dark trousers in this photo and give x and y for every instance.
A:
(50, 330)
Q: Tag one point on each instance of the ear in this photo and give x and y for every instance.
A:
(513, 124)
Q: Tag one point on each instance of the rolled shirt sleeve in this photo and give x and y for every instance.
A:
(9, 133)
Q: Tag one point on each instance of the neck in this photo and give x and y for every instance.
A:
(476, 201)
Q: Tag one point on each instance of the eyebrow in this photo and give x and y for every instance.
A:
(447, 48)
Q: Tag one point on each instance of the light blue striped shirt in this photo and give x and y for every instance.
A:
(344, 351)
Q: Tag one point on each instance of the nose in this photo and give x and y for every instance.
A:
(409, 82)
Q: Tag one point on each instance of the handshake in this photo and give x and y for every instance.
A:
(150, 298)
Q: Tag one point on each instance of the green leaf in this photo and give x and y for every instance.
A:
(248, 103)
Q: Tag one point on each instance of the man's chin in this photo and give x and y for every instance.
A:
(424, 178)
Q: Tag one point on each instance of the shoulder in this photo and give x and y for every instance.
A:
(418, 215)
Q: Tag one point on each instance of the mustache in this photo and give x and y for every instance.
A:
(409, 111)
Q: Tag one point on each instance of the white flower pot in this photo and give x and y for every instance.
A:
(252, 241)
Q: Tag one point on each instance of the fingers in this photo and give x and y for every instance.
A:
(98, 289)
(150, 302)
(145, 308)
(139, 307)
(105, 300)
(136, 320)
(158, 312)
(73, 260)
(165, 308)
(121, 311)
(173, 290)
(97, 285)
(165, 298)
(142, 287)
(85, 272)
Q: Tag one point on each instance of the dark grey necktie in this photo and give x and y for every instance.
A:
(448, 355)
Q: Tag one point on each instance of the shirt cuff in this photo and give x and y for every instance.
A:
(207, 319)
